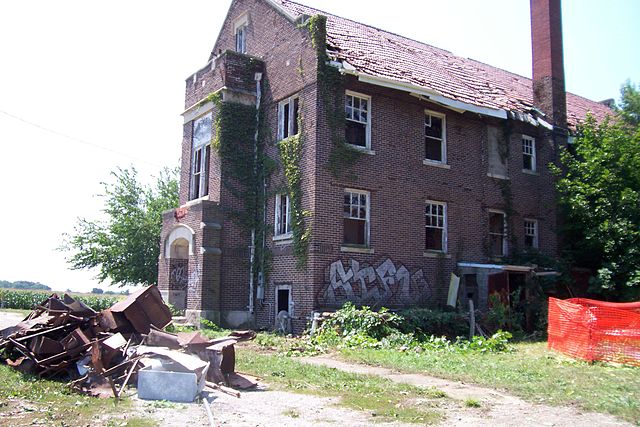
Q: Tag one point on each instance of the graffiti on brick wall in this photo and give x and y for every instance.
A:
(388, 282)
(181, 279)
(179, 276)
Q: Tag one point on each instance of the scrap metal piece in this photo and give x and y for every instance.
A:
(162, 339)
(144, 308)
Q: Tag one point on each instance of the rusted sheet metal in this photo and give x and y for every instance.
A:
(64, 337)
(162, 339)
(45, 346)
(144, 308)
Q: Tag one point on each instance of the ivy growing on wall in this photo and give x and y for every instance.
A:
(291, 152)
(505, 184)
(331, 89)
(245, 168)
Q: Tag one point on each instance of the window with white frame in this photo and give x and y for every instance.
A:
(436, 226)
(528, 153)
(356, 217)
(497, 233)
(531, 233)
(288, 117)
(240, 30)
(283, 216)
(358, 126)
(435, 137)
(200, 152)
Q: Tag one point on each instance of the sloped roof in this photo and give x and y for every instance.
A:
(381, 54)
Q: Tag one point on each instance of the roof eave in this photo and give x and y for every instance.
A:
(282, 10)
(416, 90)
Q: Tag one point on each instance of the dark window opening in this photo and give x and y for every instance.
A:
(283, 300)
(497, 234)
(356, 133)
(354, 231)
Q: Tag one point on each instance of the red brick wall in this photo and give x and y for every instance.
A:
(398, 182)
(548, 66)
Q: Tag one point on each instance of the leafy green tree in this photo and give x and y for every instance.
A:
(630, 104)
(599, 190)
(125, 245)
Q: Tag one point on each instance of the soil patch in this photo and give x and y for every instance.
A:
(496, 408)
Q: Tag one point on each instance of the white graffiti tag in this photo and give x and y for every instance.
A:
(370, 285)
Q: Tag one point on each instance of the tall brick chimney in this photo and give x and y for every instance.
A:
(548, 69)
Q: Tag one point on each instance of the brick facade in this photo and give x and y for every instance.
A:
(395, 270)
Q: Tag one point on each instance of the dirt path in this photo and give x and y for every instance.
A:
(260, 408)
(9, 319)
(497, 409)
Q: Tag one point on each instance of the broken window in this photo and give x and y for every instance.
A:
(497, 233)
(434, 137)
(200, 152)
(358, 126)
(436, 226)
(288, 117)
(530, 233)
(283, 216)
(497, 152)
(356, 217)
(528, 153)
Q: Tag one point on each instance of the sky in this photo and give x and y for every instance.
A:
(88, 86)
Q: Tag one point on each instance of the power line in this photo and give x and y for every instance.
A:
(78, 140)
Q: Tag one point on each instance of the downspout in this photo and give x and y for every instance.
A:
(252, 248)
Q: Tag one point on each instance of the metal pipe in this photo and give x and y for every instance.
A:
(252, 248)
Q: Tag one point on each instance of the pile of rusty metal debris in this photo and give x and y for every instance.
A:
(102, 352)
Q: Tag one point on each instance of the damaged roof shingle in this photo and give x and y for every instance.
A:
(381, 54)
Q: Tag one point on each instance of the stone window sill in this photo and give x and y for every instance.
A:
(436, 254)
(428, 162)
(356, 249)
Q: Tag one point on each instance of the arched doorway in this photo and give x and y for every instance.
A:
(178, 249)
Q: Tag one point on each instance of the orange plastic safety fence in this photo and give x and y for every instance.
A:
(595, 330)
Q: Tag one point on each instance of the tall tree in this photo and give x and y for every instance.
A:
(125, 245)
(600, 196)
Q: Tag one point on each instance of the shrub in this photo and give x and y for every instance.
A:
(351, 327)
(425, 322)
(357, 326)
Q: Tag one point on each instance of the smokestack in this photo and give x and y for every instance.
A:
(548, 69)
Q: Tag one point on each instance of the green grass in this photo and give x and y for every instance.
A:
(472, 403)
(27, 400)
(531, 372)
(377, 396)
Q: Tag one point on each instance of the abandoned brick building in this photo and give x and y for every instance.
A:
(377, 166)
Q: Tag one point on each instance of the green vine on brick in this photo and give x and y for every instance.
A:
(505, 184)
(243, 171)
(291, 152)
(330, 86)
